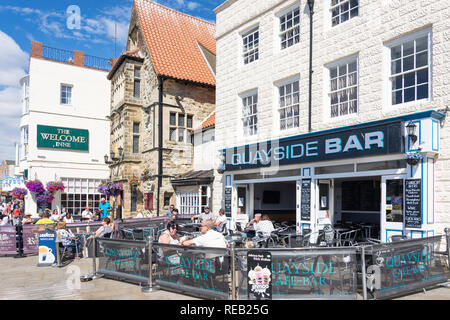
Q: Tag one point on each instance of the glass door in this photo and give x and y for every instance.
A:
(392, 207)
(242, 200)
(324, 203)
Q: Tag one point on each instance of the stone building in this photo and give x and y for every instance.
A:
(170, 61)
(342, 144)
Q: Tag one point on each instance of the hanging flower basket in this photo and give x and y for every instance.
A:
(35, 186)
(55, 186)
(146, 175)
(135, 183)
(413, 158)
(110, 189)
(18, 193)
(46, 197)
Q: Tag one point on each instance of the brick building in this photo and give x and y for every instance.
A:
(163, 87)
(337, 145)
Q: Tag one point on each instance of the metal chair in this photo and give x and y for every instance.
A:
(347, 238)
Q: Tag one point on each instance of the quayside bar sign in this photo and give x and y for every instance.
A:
(373, 140)
(62, 138)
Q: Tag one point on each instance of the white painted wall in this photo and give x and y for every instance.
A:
(88, 111)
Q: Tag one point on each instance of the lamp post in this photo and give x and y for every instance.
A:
(111, 162)
(411, 130)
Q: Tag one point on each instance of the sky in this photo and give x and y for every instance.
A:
(52, 23)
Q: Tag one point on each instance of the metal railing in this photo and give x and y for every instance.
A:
(97, 62)
(57, 54)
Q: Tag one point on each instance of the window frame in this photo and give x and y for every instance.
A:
(243, 96)
(174, 129)
(65, 85)
(277, 114)
(328, 91)
(332, 7)
(136, 135)
(255, 51)
(284, 13)
(428, 32)
(137, 79)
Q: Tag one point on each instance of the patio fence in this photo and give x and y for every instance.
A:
(376, 271)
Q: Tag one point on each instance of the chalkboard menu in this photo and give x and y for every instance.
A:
(228, 197)
(413, 203)
(306, 200)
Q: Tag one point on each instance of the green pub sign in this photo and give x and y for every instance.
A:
(62, 138)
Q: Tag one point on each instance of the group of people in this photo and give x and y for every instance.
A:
(10, 212)
(219, 221)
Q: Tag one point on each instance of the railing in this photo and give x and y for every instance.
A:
(57, 54)
(97, 63)
(68, 57)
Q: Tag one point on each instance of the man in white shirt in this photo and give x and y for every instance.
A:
(209, 237)
(87, 214)
(206, 215)
(220, 221)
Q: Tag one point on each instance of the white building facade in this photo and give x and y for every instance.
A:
(64, 126)
(379, 67)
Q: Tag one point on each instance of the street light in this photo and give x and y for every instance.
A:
(411, 129)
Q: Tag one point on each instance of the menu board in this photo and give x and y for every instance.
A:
(305, 209)
(7, 240)
(228, 197)
(413, 203)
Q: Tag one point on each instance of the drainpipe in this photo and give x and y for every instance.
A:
(311, 13)
(160, 139)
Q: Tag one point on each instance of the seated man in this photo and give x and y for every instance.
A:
(209, 238)
(87, 215)
(220, 221)
(206, 215)
(263, 229)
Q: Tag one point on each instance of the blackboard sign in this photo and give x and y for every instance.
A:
(306, 200)
(413, 203)
(228, 197)
(259, 275)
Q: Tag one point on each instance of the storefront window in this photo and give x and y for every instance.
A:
(324, 192)
(394, 200)
(80, 193)
(381, 165)
(335, 169)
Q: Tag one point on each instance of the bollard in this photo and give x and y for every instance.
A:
(150, 287)
(94, 260)
(364, 280)
(233, 274)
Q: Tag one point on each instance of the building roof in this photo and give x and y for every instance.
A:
(132, 54)
(173, 40)
(209, 122)
(194, 178)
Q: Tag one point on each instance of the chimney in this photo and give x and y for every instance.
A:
(78, 58)
(36, 49)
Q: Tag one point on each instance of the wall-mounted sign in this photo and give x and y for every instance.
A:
(373, 140)
(62, 138)
(228, 202)
(413, 203)
(305, 209)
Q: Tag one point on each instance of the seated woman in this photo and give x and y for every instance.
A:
(170, 236)
(55, 217)
(67, 238)
(106, 229)
(68, 218)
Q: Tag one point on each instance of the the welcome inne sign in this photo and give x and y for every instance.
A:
(62, 138)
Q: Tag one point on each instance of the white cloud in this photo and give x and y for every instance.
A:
(192, 5)
(12, 67)
(13, 63)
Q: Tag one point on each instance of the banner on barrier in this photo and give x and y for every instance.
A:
(259, 275)
(401, 267)
(123, 259)
(306, 274)
(8, 240)
(47, 248)
(203, 271)
(30, 234)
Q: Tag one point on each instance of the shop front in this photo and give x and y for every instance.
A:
(379, 175)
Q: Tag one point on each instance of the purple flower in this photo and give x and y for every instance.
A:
(19, 193)
(35, 186)
(110, 189)
(46, 197)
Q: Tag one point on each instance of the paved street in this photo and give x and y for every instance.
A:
(26, 281)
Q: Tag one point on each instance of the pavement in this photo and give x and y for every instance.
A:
(23, 280)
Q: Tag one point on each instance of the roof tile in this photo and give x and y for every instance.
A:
(172, 37)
